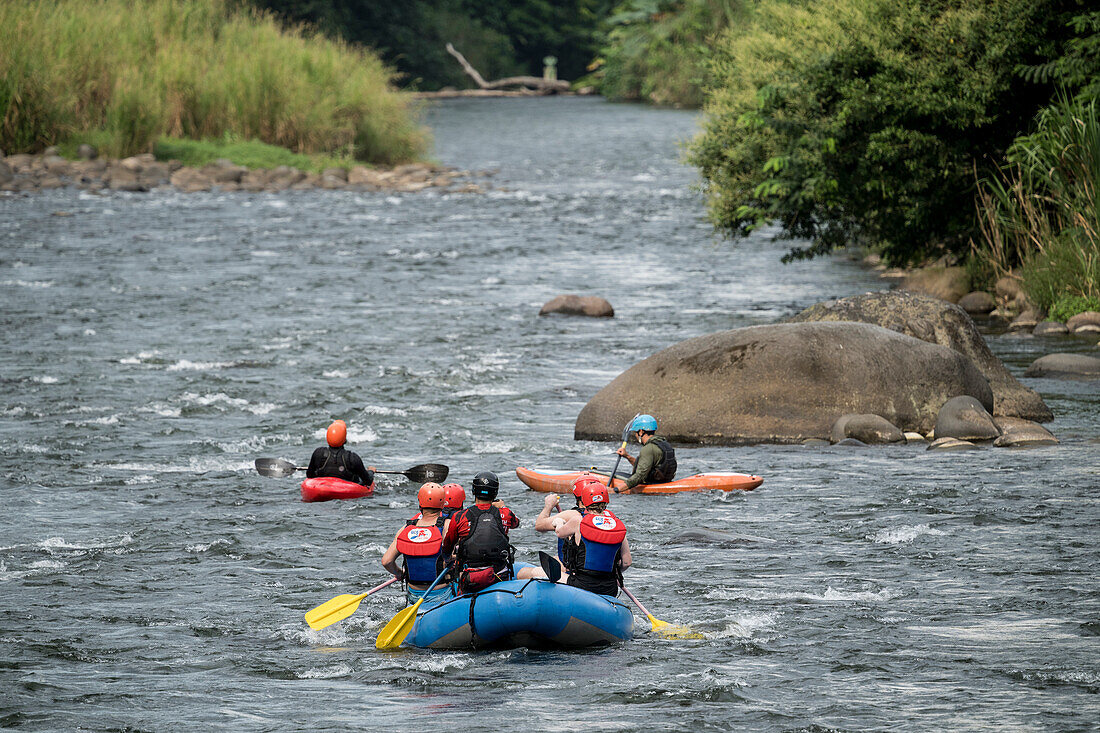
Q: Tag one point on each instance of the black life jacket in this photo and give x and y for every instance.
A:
(664, 471)
(595, 563)
(335, 465)
(487, 544)
(422, 548)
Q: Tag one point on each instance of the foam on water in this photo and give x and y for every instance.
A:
(901, 535)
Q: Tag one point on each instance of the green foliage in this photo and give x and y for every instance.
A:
(126, 72)
(862, 121)
(1041, 212)
(659, 50)
(249, 153)
(1068, 306)
(498, 37)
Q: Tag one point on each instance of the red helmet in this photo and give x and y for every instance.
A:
(594, 493)
(454, 496)
(583, 481)
(337, 434)
(430, 496)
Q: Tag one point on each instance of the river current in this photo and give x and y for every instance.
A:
(154, 345)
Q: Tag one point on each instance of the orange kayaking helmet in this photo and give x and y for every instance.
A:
(337, 434)
(430, 496)
(582, 482)
(594, 493)
(454, 496)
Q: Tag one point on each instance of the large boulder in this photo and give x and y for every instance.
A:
(1017, 433)
(784, 383)
(935, 321)
(867, 429)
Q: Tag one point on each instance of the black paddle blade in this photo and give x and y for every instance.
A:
(550, 566)
(276, 467)
(425, 472)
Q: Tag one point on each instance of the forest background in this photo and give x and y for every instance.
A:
(925, 130)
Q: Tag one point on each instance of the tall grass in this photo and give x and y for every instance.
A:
(1041, 214)
(125, 72)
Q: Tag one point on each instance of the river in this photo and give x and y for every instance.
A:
(155, 344)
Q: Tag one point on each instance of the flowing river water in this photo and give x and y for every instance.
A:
(155, 344)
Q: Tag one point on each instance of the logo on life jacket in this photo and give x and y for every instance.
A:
(419, 534)
(605, 522)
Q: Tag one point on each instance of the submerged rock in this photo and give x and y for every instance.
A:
(783, 383)
(869, 429)
(715, 538)
(935, 321)
(1049, 328)
(1017, 433)
(1065, 366)
(592, 306)
(949, 444)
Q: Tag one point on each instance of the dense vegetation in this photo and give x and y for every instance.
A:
(499, 37)
(659, 51)
(122, 73)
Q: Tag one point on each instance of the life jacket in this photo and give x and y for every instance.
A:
(665, 470)
(561, 542)
(422, 548)
(335, 465)
(487, 543)
(594, 564)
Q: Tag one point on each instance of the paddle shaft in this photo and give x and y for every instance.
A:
(611, 478)
(636, 602)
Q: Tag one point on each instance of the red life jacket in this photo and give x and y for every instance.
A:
(422, 548)
(594, 563)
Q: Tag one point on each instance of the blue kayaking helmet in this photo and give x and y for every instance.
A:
(644, 422)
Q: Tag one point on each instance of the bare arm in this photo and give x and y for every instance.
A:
(543, 522)
(625, 554)
(569, 527)
(389, 560)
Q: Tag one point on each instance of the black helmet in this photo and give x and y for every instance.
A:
(485, 485)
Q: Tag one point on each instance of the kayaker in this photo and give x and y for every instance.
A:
(656, 461)
(338, 462)
(454, 498)
(544, 522)
(420, 544)
(596, 549)
(478, 537)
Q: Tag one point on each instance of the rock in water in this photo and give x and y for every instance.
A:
(579, 305)
(784, 383)
(937, 322)
(1065, 366)
(868, 429)
(965, 418)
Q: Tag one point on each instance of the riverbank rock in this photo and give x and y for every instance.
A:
(1065, 366)
(1087, 322)
(27, 173)
(945, 283)
(783, 383)
(978, 302)
(965, 418)
(935, 321)
(592, 306)
(869, 429)
(1026, 321)
(1017, 433)
(1050, 328)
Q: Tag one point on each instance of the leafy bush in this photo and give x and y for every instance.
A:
(862, 121)
(1070, 305)
(659, 50)
(125, 72)
(1041, 213)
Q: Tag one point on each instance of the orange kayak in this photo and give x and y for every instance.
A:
(561, 482)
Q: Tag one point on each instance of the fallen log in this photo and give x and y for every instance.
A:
(544, 86)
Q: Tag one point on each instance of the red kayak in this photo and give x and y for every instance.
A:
(327, 488)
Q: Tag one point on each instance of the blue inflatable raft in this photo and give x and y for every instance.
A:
(531, 613)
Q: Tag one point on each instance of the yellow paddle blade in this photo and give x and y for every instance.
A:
(671, 631)
(329, 612)
(393, 633)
